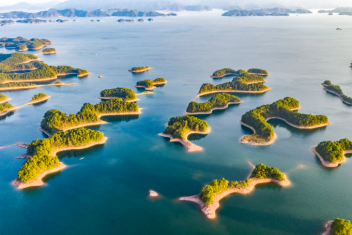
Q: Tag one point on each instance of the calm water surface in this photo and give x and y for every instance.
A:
(107, 192)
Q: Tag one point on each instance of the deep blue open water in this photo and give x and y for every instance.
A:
(107, 191)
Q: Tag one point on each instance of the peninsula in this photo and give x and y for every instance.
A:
(283, 109)
(332, 154)
(210, 195)
(8, 108)
(336, 90)
(338, 227)
(179, 128)
(23, 44)
(228, 72)
(243, 83)
(218, 101)
(139, 69)
(4, 99)
(42, 158)
(55, 121)
(149, 85)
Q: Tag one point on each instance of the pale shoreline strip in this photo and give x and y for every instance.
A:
(330, 164)
(340, 96)
(216, 108)
(134, 100)
(190, 147)
(140, 71)
(5, 100)
(327, 226)
(210, 209)
(151, 88)
(38, 181)
(46, 53)
(29, 103)
(232, 91)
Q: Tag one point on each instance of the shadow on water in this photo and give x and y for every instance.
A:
(7, 115)
(78, 153)
(40, 103)
(239, 94)
(196, 137)
(305, 132)
(120, 118)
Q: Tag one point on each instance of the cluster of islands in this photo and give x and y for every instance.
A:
(68, 132)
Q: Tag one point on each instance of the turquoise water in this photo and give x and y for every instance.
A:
(107, 191)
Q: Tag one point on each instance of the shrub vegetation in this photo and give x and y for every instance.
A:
(39, 96)
(341, 227)
(254, 70)
(179, 126)
(120, 92)
(333, 151)
(218, 100)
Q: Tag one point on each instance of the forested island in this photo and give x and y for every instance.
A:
(39, 96)
(335, 89)
(139, 69)
(49, 51)
(43, 159)
(210, 195)
(218, 101)
(178, 129)
(23, 44)
(228, 71)
(244, 82)
(283, 109)
(149, 84)
(119, 92)
(338, 227)
(332, 154)
(55, 121)
(34, 71)
(266, 12)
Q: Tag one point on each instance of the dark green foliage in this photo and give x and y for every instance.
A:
(335, 88)
(41, 151)
(16, 84)
(214, 188)
(2, 97)
(262, 171)
(38, 96)
(341, 227)
(146, 83)
(139, 68)
(224, 71)
(81, 71)
(10, 61)
(218, 100)
(333, 151)
(179, 126)
(5, 107)
(21, 47)
(159, 80)
(46, 50)
(327, 82)
(55, 120)
(65, 69)
(119, 92)
(31, 44)
(254, 70)
(281, 108)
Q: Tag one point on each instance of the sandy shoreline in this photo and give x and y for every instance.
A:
(330, 164)
(190, 147)
(5, 100)
(33, 87)
(231, 91)
(327, 226)
(216, 108)
(340, 96)
(226, 74)
(209, 209)
(29, 103)
(140, 71)
(153, 87)
(134, 100)
(31, 80)
(46, 53)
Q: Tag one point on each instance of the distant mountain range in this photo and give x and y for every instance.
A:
(338, 10)
(53, 13)
(266, 12)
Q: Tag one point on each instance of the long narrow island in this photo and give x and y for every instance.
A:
(56, 121)
(149, 85)
(210, 195)
(179, 128)
(139, 69)
(283, 109)
(336, 90)
(218, 101)
(229, 72)
(338, 227)
(332, 154)
(243, 83)
(42, 158)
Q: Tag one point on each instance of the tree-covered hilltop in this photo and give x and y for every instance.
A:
(335, 88)
(5, 107)
(261, 71)
(10, 62)
(179, 126)
(21, 43)
(119, 92)
(216, 187)
(39, 96)
(49, 50)
(55, 120)
(243, 82)
(16, 84)
(146, 83)
(341, 227)
(65, 69)
(159, 80)
(134, 69)
(222, 72)
(3, 97)
(42, 151)
(333, 151)
(218, 100)
(256, 118)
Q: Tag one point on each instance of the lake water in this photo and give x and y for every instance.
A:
(107, 191)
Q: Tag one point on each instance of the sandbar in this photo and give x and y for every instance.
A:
(190, 147)
(212, 109)
(140, 71)
(29, 103)
(5, 100)
(330, 164)
(209, 209)
(152, 193)
(231, 91)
